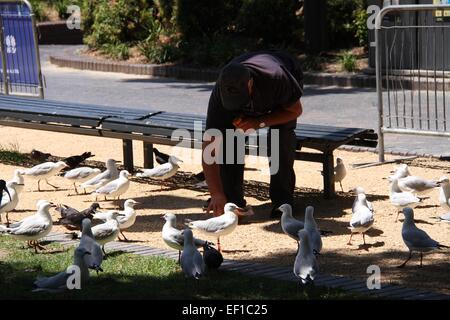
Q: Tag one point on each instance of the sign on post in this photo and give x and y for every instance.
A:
(20, 52)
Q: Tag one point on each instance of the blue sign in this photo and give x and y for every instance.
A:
(19, 44)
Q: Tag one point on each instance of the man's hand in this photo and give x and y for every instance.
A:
(216, 205)
(246, 123)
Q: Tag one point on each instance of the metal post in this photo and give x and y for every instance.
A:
(2, 48)
(379, 79)
(128, 155)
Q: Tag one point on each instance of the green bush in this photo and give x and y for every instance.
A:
(348, 61)
(38, 9)
(360, 26)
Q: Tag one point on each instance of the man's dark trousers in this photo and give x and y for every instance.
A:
(282, 183)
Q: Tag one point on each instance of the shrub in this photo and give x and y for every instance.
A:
(348, 61)
(360, 27)
(39, 10)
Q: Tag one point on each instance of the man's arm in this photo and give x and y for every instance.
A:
(278, 117)
(214, 182)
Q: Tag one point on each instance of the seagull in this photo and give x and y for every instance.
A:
(339, 172)
(111, 173)
(415, 238)
(222, 225)
(313, 232)
(34, 227)
(81, 175)
(402, 199)
(44, 171)
(213, 258)
(174, 237)
(160, 157)
(9, 204)
(445, 217)
(74, 161)
(191, 260)
(58, 282)
(126, 218)
(362, 218)
(289, 224)
(87, 241)
(71, 218)
(444, 193)
(162, 172)
(413, 184)
(108, 231)
(17, 177)
(305, 266)
(359, 190)
(115, 188)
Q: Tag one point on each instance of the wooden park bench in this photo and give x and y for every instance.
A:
(156, 127)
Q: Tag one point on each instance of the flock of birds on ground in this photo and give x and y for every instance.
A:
(404, 191)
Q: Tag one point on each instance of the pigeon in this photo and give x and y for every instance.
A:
(160, 157)
(305, 265)
(191, 260)
(44, 171)
(213, 258)
(34, 227)
(362, 218)
(8, 204)
(402, 199)
(174, 237)
(339, 172)
(415, 238)
(58, 282)
(126, 218)
(108, 231)
(39, 156)
(313, 233)
(71, 218)
(289, 224)
(219, 226)
(162, 172)
(74, 161)
(111, 173)
(81, 175)
(115, 188)
(87, 241)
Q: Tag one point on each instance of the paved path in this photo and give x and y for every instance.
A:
(323, 105)
(273, 272)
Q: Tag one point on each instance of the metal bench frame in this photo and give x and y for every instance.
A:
(156, 127)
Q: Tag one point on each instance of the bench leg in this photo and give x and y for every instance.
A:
(328, 175)
(128, 155)
(148, 155)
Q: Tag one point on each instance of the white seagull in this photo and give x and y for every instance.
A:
(163, 171)
(17, 177)
(58, 282)
(415, 238)
(111, 173)
(126, 218)
(108, 231)
(7, 205)
(81, 175)
(359, 190)
(444, 193)
(191, 260)
(115, 188)
(362, 218)
(305, 266)
(402, 199)
(44, 171)
(289, 224)
(339, 172)
(222, 225)
(87, 241)
(313, 233)
(413, 184)
(34, 227)
(173, 237)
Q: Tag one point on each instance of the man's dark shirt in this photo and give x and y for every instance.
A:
(277, 83)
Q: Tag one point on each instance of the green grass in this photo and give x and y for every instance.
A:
(348, 61)
(128, 276)
(11, 154)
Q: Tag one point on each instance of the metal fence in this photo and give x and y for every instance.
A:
(19, 50)
(413, 70)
